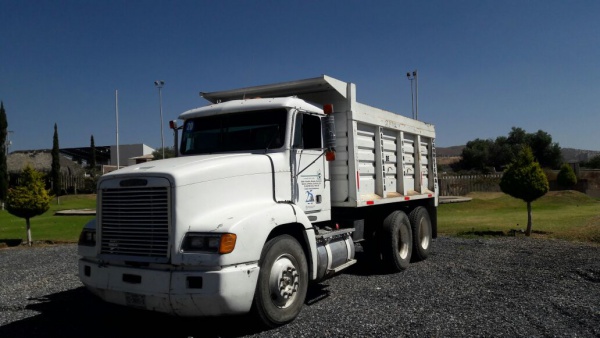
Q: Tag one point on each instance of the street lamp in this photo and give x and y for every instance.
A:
(414, 97)
(159, 84)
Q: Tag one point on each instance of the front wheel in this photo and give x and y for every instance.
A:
(282, 282)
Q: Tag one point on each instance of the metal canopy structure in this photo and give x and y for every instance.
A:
(85, 154)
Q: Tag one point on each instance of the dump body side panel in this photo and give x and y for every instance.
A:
(381, 157)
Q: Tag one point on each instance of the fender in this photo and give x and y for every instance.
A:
(311, 240)
(252, 223)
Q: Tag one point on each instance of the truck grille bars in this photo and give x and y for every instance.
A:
(135, 222)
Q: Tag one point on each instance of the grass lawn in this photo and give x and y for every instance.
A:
(567, 215)
(559, 214)
(48, 227)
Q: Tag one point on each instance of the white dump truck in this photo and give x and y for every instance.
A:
(272, 187)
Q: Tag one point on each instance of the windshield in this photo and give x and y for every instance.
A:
(243, 131)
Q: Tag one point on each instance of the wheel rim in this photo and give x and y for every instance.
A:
(424, 233)
(403, 246)
(283, 282)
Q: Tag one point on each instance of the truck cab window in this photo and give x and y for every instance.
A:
(243, 131)
(307, 132)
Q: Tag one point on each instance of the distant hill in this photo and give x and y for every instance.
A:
(449, 151)
(569, 154)
(578, 155)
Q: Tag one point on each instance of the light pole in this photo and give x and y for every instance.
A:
(159, 84)
(414, 97)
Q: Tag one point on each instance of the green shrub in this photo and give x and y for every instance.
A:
(566, 176)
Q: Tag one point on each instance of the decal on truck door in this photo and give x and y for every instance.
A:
(311, 183)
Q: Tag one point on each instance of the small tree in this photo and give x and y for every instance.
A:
(524, 179)
(55, 170)
(566, 176)
(169, 153)
(29, 199)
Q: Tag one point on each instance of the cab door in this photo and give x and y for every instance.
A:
(309, 168)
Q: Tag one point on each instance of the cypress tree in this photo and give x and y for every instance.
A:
(3, 154)
(92, 156)
(55, 172)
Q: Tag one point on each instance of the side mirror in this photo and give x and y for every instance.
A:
(173, 125)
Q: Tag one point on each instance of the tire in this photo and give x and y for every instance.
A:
(397, 242)
(282, 282)
(422, 234)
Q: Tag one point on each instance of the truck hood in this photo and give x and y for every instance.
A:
(199, 168)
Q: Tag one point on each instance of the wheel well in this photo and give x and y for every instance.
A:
(297, 231)
(375, 215)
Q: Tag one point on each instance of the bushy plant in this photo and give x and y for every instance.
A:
(29, 199)
(566, 177)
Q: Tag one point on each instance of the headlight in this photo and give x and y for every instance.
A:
(87, 237)
(216, 243)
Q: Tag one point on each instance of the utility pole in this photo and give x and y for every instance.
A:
(8, 142)
(117, 118)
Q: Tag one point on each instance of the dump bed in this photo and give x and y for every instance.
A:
(381, 157)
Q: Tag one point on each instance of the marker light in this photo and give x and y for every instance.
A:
(173, 124)
(227, 243)
(328, 109)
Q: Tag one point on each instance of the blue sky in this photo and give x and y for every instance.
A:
(483, 66)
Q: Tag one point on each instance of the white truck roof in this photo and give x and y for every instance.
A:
(250, 104)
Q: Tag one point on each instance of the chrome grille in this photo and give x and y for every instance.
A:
(135, 222)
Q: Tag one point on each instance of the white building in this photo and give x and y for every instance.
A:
(127, 152)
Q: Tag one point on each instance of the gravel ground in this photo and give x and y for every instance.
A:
(515, 287)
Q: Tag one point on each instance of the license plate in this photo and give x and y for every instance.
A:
(135, 300)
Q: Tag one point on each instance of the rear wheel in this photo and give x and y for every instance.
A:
(421, 229)
(397, 241)
(282, 282)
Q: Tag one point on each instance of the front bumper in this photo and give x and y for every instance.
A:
(182, 293)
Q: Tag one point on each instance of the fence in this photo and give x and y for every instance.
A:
(464, 184)
(70, 183)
